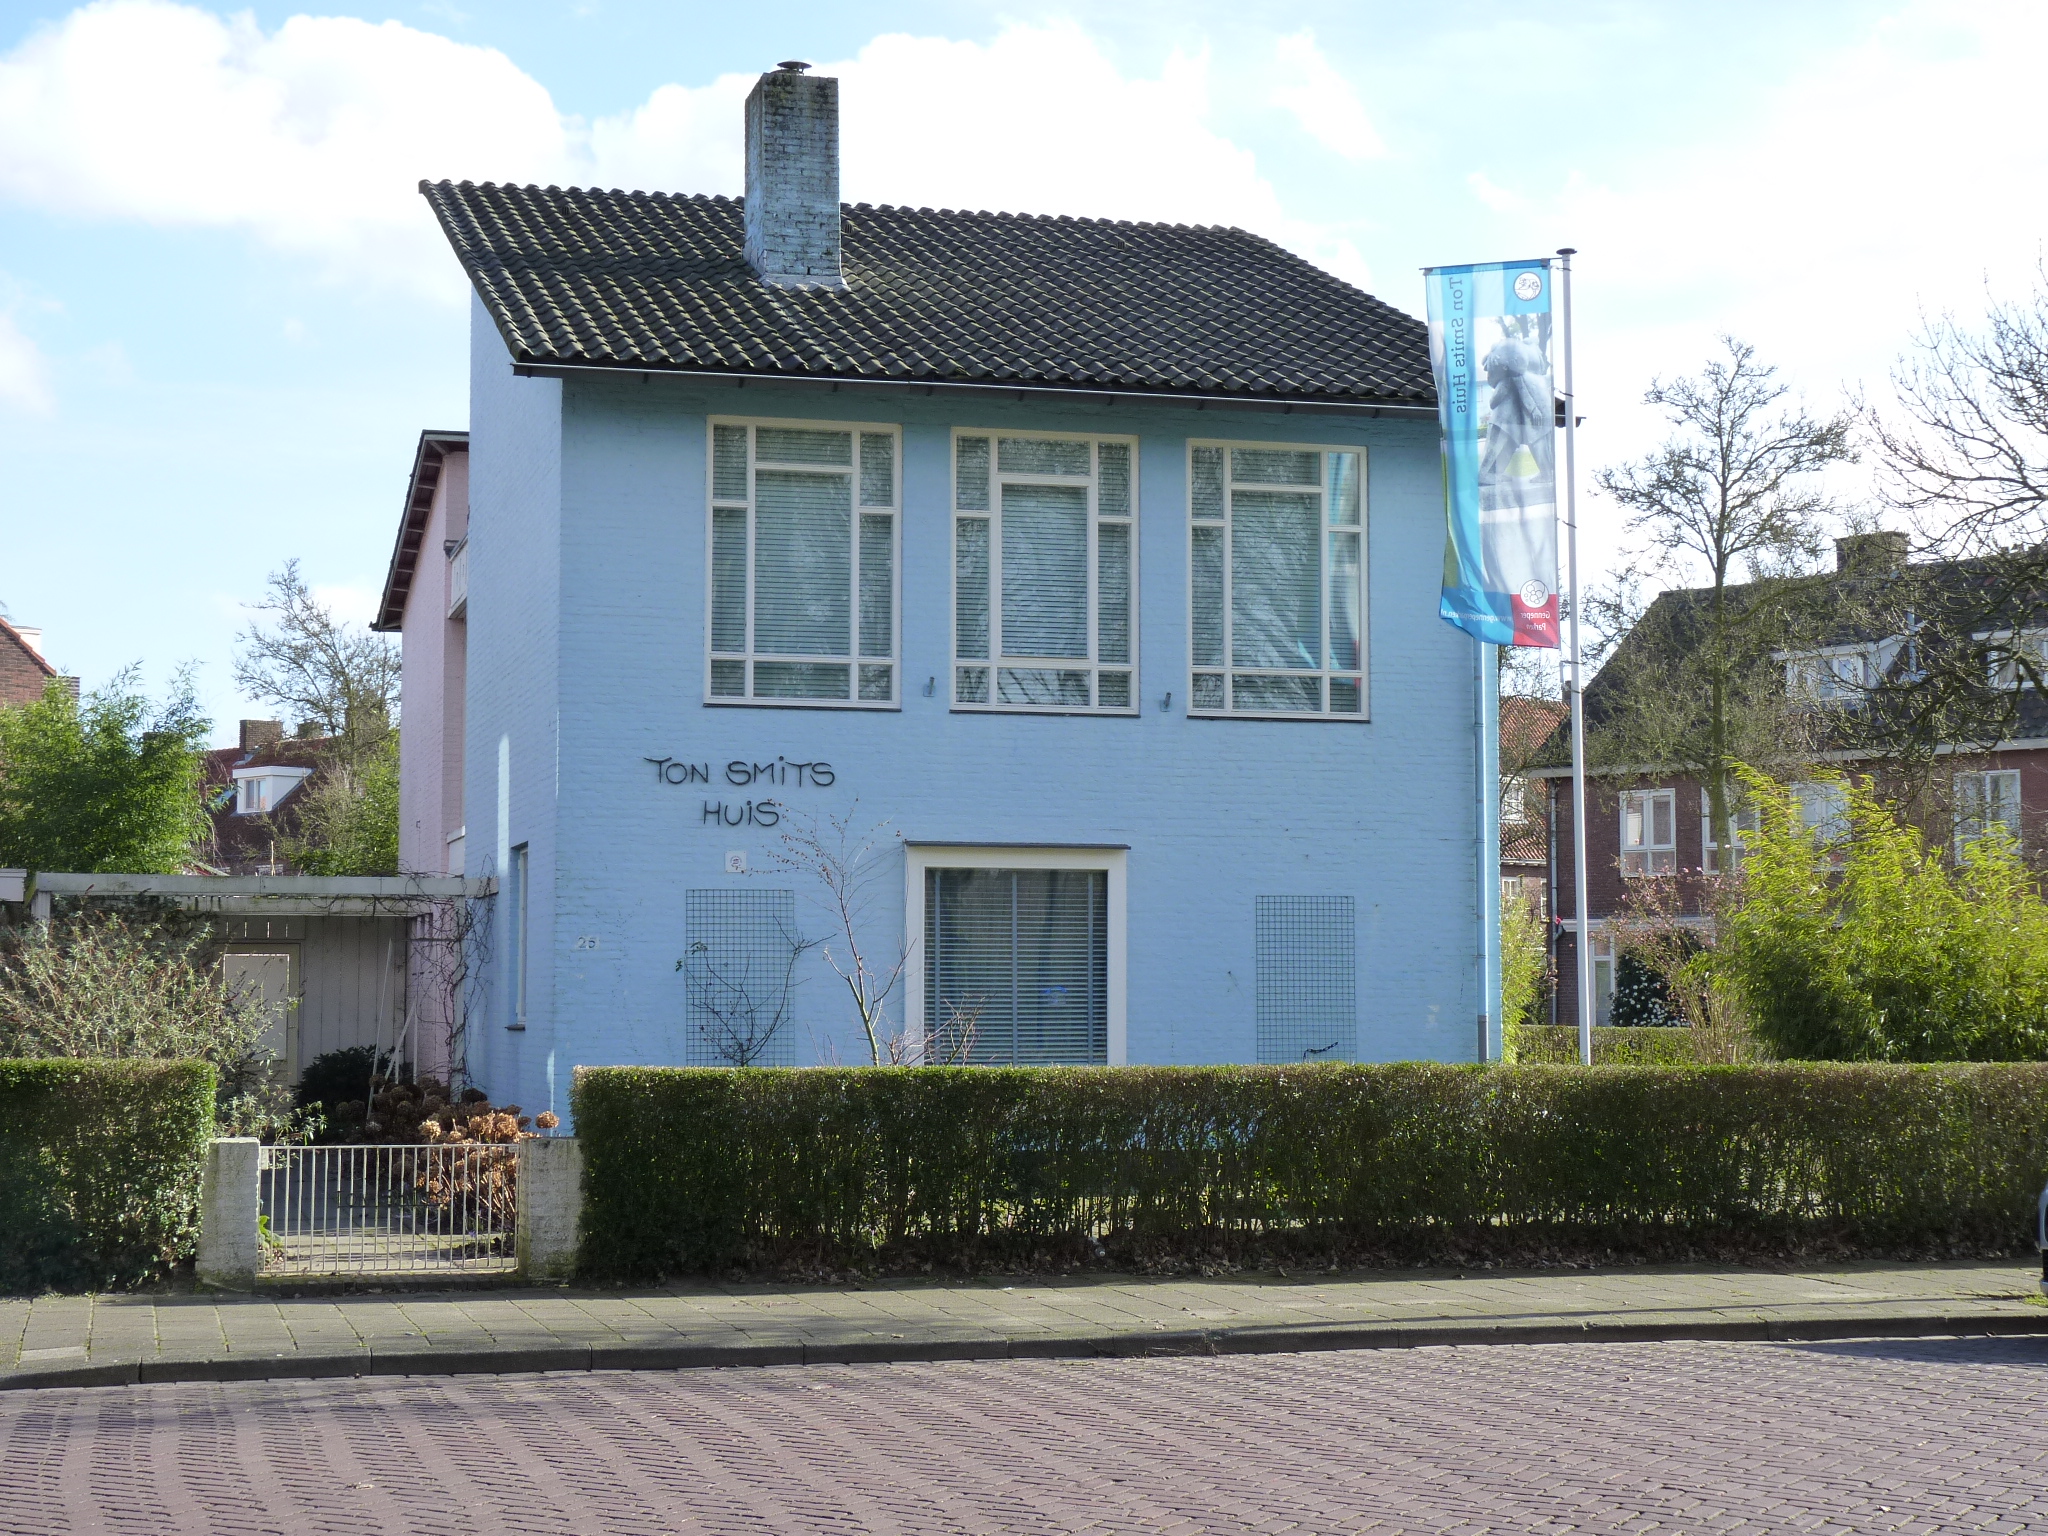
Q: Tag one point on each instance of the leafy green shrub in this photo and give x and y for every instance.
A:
(1524, 970)
(705, 1170)
(1873, 949)
(100, 1164)
(1613, 1045)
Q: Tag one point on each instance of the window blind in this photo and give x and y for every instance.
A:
(1017, 961)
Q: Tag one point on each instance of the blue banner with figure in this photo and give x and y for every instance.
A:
(1489, 342)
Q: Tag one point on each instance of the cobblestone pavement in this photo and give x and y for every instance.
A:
(1893, 1436)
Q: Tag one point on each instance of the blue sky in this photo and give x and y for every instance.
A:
(225, 314)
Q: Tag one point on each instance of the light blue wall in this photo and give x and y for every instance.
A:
(604, 663)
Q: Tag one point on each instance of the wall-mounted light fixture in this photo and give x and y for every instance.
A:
(929, 684)
(1167, 702)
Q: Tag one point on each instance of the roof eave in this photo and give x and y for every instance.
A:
(1369, 407)
(428, 458)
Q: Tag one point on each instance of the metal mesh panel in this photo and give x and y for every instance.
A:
(1022, 957)
(1307, 967)
(739, 969)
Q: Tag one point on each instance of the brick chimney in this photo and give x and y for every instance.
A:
(1871, 552)
(793, 178)
(261, 733)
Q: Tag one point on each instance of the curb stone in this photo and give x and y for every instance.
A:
(1147, 1345)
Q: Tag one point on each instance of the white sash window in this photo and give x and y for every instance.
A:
(1649, 832)
(1985, 801)
(1045, 573)
(1277, 581)
(803, 555)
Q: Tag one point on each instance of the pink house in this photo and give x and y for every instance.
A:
(426, 601)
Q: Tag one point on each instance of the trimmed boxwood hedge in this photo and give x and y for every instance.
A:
(1634, 1046)
(696, 1170)
(100, 1164)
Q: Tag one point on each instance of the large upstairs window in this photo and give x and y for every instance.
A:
(1277, 581)
(803, 589)
(1044, 573)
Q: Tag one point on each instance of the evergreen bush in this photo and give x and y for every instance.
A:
(709, 1170)
(100, 1163)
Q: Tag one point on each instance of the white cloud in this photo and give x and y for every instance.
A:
(24, 374)
(313, 137)
(1495, 196)
(350, 604)
(1323, 101)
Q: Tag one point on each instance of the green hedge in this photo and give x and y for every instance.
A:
(99, 1170)
(689, 1171)
(1661, 1046)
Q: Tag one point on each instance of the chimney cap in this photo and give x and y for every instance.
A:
(795, 66)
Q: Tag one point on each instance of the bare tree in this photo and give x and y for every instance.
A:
(741, 1002)
(844, 865)
(338, 677)
(1736, 488)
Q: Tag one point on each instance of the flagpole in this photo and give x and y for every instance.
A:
(1576, 675)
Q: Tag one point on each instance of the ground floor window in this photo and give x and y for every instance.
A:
(1603, 979)
(1016, 965)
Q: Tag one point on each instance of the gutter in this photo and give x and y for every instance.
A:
(1839, 755)
(833, 385)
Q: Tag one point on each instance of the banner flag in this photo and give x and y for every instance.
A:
(1489, 341)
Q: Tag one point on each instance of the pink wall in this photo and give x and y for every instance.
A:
(430, 745)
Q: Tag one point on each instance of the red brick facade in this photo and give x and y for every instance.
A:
(23, 674)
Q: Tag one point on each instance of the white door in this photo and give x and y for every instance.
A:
(265, 979)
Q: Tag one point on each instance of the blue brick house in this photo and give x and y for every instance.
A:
(1090, 566)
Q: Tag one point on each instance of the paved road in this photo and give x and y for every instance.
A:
(1917, 1436)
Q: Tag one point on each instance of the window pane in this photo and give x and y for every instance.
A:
(1284, 695)
(1020, 957)
(877, 595)
(1660, 820)
(1344, 489)
(970, 577)
(1113, 690)
(874, 683)
(1344, 600)
(1632, 822)
(1276, 466)
(1208, 482)
(728, 679)
(1276, 611)
(877, 469)
(1042, 685)
(1113, 479)
(1041, 456)
(728, 581)
(1208, 598)
(970, 685)
(729, 463)
(1347, 697)
(803, 445)
(1113, 591)
(799, 680)
(1208, 690)
(803, 564)
(970, 492)
(1045, 570)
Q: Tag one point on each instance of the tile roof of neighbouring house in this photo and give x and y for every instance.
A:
(648, 281)
(1525, 847)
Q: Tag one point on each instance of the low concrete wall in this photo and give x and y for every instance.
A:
(230, 1191)
(550, 1206)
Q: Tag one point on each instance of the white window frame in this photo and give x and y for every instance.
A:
(2005, 672)
(1606, 966)
(996, 662)
(1323, 674)
(1968, 830)
(1809, 794)
(853, 660)
(1821, 677)
(1747, 822)
(1647, 850)
(920, 857)
(259, 791)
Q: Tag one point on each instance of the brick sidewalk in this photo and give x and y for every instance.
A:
(85, 1341)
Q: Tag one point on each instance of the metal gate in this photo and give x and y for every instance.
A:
(401, 1210)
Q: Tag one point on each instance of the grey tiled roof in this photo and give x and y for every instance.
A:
(645, 281)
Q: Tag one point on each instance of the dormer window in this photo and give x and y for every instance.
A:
(2016, 660)
(259, 791)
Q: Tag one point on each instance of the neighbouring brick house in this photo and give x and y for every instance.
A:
(1643, 824)
(1099, 560)
(254, 791)
(23, 672)
(1526, 725)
